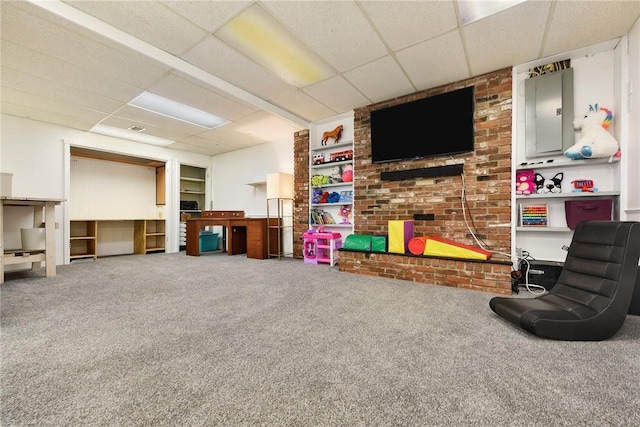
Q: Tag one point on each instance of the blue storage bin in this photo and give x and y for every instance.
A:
(208, 241)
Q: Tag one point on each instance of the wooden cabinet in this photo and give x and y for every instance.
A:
(161, 185)
(83, 239)
(149, 236)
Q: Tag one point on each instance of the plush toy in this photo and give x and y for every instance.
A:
(347, 173)
(525, 182)
(336, 175)
(334, 197)
(319, 180)
(596, 141)
(553, 185)
(324, 197)
(317, 194)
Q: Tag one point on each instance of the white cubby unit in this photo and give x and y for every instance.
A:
(546, 242)
(331, 159)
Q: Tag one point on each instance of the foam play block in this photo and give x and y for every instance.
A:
(416, 245)
(400, 233)
(378, 243)
(435, 246)
(358, 242)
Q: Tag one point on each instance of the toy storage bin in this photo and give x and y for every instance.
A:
(208, 241)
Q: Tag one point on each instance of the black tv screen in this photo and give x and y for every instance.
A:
(435, 126)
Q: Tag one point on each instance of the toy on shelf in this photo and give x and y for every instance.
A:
(525, 182)
(345, 213)
(347, 173)
(546, 186)
(334, 134)
(583, 186)
(596, 141)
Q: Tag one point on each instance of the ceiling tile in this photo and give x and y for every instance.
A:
(338, 31)
(57, 113)
(304, 105)
(603, 20)
(381, 79)
(34, 85)
(338, 94)
(512, 34)
(150, 21)
(188, 91)
(208, 15)
(215, 57)
(435, 62)
(406, 23)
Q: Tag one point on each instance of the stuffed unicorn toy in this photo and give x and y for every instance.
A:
(596, 141)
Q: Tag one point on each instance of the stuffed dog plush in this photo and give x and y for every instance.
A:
(553, 185)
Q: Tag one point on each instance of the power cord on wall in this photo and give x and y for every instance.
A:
(516, 273)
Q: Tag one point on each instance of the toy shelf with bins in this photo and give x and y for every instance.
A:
(602, 171)
(547, 242)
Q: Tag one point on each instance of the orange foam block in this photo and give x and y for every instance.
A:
(436, 246)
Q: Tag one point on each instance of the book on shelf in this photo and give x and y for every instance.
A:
(534, 215)
(321, 217)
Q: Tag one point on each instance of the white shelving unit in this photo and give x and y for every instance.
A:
(546, 242)
(331, 211)
(192, 189)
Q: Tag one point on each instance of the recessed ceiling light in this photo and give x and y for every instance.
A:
(130, 135)
(260, 37)
(169, 108)
(472, 10)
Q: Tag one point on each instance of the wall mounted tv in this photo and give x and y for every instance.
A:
(435, 126)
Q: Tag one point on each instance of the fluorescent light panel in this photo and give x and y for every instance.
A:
(473, 10)
(175, 110)
(259, 36)
(130, 135)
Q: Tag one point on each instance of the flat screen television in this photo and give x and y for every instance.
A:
(435, 126)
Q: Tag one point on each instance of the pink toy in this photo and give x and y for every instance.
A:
(320, 247)
(347, 173)
(525, 182)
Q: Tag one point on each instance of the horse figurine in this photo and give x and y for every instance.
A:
(595, 141)
(335, 134)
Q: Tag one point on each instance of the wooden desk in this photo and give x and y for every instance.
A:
(49, 254)
(244, 235)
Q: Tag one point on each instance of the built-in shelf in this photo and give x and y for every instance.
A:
(568, 195)
(184, 178)
(331, 204)
(566, 163)
(330, 146)
(545, 229)
(331, 164)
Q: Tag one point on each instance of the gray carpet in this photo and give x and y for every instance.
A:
(217, 340)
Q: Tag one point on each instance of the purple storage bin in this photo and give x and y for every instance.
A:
(578, 211)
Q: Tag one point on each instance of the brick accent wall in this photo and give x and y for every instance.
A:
(487, 187)
(301, 187)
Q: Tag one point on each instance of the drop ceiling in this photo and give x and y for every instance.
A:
(78, 63)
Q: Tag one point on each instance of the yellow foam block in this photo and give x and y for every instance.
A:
(400, 232)
(436, 246)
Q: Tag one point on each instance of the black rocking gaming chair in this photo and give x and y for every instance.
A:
(594, 291)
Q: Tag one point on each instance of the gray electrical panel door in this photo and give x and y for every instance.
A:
(549, 113)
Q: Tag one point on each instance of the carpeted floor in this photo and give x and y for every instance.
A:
(217, 340)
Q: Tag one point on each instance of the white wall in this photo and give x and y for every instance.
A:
(630, 199)
(239, 177)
